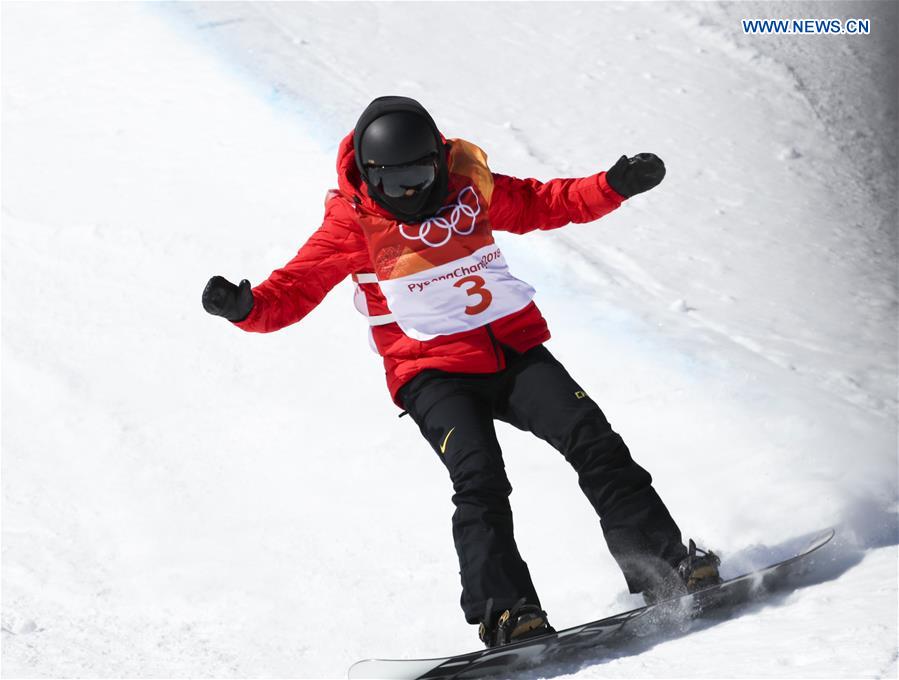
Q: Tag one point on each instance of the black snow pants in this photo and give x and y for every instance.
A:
(455, 413)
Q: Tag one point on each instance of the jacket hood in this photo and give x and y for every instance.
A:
(349, 179)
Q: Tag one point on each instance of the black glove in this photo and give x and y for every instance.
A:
(630, 176)
(223, 298)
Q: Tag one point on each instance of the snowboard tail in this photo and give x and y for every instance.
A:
(500, 661)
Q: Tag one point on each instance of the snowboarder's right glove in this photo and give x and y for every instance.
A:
(223, 298)
(630, 176)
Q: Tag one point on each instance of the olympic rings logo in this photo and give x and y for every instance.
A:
(448, 222)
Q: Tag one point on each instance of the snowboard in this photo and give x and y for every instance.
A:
(503, 661)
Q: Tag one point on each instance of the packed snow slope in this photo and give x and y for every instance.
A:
(184, 499)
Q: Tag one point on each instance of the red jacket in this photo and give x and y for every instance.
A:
(339, 248)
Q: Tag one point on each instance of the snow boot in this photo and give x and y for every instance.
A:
(520, 622)
(698, 570)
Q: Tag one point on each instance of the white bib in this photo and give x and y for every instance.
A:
(457, 296)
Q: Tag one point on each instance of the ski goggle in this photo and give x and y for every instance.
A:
(395, 180)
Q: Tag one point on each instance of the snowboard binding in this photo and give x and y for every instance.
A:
(520, 622)
(697, 571)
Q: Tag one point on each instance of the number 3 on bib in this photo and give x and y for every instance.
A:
(476, 289)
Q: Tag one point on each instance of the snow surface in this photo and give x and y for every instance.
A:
(183, 499)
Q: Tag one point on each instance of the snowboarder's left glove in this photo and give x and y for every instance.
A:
(630, 176)
(223, 298)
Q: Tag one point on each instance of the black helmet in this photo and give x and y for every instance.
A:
(397, 138)
(401, 156)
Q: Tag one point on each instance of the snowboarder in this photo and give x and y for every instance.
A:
(463, 344)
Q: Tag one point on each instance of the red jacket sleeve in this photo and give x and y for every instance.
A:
(523, 205)
(335, 250)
